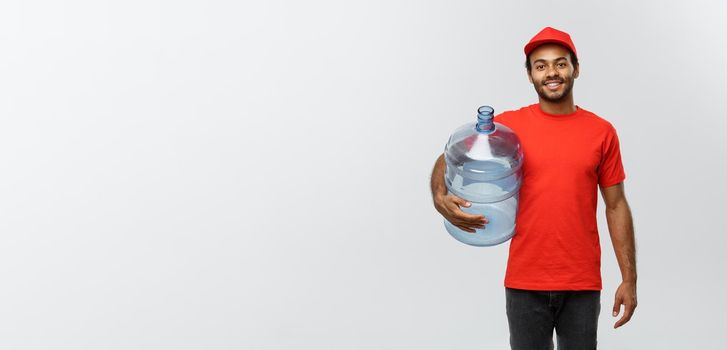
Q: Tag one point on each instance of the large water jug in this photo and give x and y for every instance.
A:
(484, 162)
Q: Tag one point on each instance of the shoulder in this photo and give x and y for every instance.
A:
(512, 115)
(597, 121)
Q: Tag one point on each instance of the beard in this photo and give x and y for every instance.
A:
(554, 96)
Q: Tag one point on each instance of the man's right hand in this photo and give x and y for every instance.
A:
(449, 206)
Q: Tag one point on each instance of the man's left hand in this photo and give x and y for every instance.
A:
(626, 296)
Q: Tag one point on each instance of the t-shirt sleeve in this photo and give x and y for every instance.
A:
(610, 170)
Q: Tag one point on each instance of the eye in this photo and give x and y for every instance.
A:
(540, 66)
(562, 65)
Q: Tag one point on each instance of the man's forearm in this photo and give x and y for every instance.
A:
(437, 181)
(621, 228)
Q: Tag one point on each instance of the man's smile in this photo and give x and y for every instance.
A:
(553, 84)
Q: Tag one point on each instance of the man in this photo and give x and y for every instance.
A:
(553, 277)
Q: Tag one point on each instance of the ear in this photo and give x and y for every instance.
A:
(576, 71)
(530, 76)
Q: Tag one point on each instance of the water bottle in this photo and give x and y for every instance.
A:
(484, 162)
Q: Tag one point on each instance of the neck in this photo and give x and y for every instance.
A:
(564, 106)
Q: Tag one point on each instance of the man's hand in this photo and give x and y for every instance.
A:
(449, 206)
(626, 296)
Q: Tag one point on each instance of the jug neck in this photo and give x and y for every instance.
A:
(485, 116)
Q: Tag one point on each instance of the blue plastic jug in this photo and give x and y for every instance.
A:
(484, 162)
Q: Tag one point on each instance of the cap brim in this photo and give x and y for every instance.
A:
(533, 45)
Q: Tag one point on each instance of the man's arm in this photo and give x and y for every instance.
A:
(621, 229)
(437, 181)
(448, 204)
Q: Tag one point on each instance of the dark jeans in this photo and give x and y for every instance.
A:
(532, 316)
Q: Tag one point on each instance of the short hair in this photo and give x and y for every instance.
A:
(573, 59)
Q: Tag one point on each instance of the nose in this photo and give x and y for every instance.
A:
(551, 73)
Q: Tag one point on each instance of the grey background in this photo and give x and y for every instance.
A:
(226, 175)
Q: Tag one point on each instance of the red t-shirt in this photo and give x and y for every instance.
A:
(556, 244)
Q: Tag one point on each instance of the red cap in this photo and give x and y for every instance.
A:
(547, 36)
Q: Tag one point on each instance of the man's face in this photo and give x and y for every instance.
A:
(552, 72)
